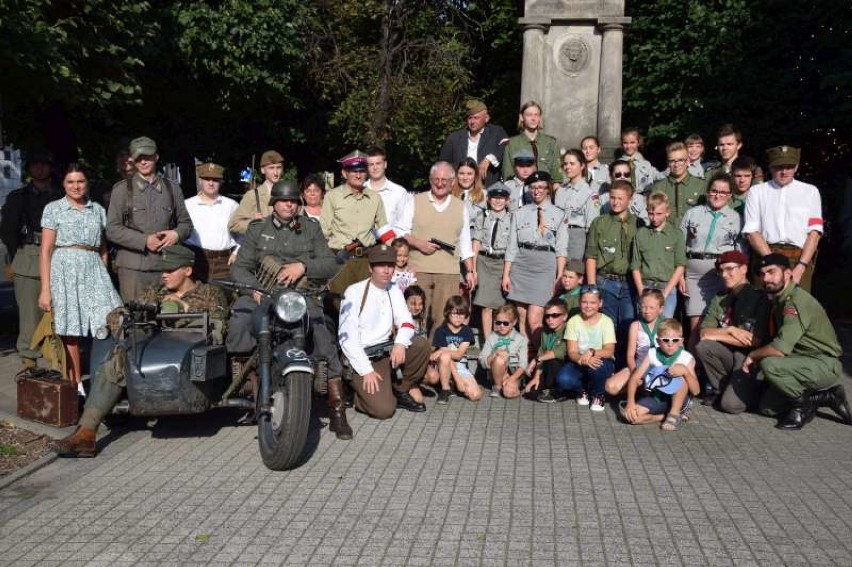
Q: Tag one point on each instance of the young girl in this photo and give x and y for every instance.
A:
(640, 337)
(644, 174)
(451, 341)
(667, 376)
(597, 174)
(468, 188)
(551, 352)
(505, 353)
(403, 275)
(490, 238)
(415, 298)
(591, 351)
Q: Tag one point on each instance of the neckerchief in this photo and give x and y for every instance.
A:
(652, 334)
(668, 360)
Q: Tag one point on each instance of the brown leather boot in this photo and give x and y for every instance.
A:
(81, 443)
(337, 406)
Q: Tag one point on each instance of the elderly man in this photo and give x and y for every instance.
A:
(734, 323)
(254, 204)
(439, 239)
(480, 141)
(146, 214)
(801, 364)
(784, 215)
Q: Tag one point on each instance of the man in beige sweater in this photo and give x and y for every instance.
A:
(439, 239)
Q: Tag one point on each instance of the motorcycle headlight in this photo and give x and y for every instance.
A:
(291, 306)
(102, 333)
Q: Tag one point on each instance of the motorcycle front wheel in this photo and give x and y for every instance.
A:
(282, 433)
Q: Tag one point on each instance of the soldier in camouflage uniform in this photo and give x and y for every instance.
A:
(179, 293)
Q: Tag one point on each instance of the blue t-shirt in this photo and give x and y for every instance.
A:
(444, 337)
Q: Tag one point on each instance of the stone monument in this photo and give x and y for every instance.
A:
(573, 65)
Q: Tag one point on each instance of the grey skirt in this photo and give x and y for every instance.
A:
(533, 275)
(702, 283)
(489, 291)
(576, 243)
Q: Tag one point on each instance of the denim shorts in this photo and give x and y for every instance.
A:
(659, 404)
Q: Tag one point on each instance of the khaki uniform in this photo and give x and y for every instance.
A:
(609, 242)
(248, 209)
(682, 194)
(657, 253)
(546, 150)
(151, 208)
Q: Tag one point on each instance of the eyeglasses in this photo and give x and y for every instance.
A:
(553, 315)
(502, 323)
(728, 269)
(589, 289)
(677, 161)
(620, 175)
(715, 193)
(669, 340)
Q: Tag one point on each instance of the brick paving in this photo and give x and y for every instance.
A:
(494, 483)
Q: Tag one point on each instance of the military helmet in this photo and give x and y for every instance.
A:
(284, 191)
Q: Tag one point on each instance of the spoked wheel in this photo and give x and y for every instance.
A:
(282, 432)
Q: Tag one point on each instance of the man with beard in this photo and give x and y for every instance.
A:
(801, 364)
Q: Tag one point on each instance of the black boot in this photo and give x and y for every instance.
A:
(835, 399)
(337, 409)
(801, 412)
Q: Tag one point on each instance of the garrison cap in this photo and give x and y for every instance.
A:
(354, 161)
(474, 105)
(499, 189)
(575, 265)
(210, 171)
(783, 155)
(284, 191)
(775, 259)
(731, 257)
(538, 176)
(39, 155)
(270, 157)
(142, 146)
(524, 156)
(381, 254)
(176, 256)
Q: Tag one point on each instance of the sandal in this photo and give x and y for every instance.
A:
(672, 422)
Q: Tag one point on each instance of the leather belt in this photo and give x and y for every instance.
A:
(613, 277)
(81, 247)
(357, 252)
(495, 255)
(701, 256)
(538, 247)
(576, 226)
(216, 253)
(786, 250)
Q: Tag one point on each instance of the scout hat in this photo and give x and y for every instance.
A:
(499, 189)
(473, 105)
(381, 254)
(176, 256)
(775, 259)
(355, 161)
(731, 257)
(783, 155)
(523, 156)
(538, 176)
(39, 155)
(284, 191)
(210, 171)
(576, 265)
(142, 146)
(270, 157)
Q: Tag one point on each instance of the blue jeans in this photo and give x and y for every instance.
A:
(620, 306)
(573, 377)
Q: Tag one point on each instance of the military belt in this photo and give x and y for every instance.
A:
(701, 256)
(786, 250)
(613, 277)
(538, 247)
(495, 255)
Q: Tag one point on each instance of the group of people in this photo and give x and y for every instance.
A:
(588, 280)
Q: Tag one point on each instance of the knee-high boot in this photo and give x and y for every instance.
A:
(337, 405)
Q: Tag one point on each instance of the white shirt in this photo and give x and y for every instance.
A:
(465, 243)
(393, 197)
(783, 215)
(210, 223)
(473, 149)
(359, 328)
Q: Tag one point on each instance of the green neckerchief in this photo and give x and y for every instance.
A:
(668, 360)
(651, 334)
(712, 231)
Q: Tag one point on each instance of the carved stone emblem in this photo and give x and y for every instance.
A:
(573, 55)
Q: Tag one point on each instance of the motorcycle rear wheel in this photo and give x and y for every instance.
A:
(282, 433)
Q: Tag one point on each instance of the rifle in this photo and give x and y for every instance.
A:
(253, 186)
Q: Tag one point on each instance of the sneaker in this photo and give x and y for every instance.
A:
(546, 397)
(495, 392)
(597, 403)
(583, 400)
(443, 397)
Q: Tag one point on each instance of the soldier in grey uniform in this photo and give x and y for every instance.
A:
(146, 214)
(490, 238)
(575, 197)
(20, 230)
(523, 161)
(299, 245)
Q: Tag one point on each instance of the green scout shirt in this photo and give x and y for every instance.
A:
(547, 150)
(555, 341)
(657, 253)
(733, 308)
(738, 202)
(681, 194)
(609, 241)
(803, 325)
(347, 216)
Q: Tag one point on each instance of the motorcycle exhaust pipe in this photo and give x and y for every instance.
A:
(241, 403)
(264, 350)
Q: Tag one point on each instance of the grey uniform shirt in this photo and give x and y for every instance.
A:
(524, 230)
(709, 232)
(519, 197)
(579, 204)
(598, 175)
(490, 226)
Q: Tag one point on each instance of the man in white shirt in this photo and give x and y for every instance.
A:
(374, 313)
(481, 141)
(784, 216)
(393, 195)
(214, 245)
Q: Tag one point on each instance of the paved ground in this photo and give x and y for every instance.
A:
(494, 483)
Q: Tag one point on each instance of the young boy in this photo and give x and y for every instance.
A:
(451, 341)
(572, 277)
(667, 376)
(551, 352)
(644, 174)
(659, 253)
(742, 172)
(695, 152)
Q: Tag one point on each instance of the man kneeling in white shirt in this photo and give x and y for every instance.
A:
(377, 335)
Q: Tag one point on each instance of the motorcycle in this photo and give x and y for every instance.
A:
(170, 369)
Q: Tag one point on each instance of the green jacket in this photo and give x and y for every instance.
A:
(682, 194)
(657, 253)
(609, 242)
(803, 325)
(549, 159)
(736, 308)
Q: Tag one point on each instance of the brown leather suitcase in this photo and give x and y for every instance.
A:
(44, 397)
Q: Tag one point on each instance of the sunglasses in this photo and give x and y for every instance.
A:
(620, 175)
(553, 315)
(589, 289)
(669, 340)
(502, 323)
